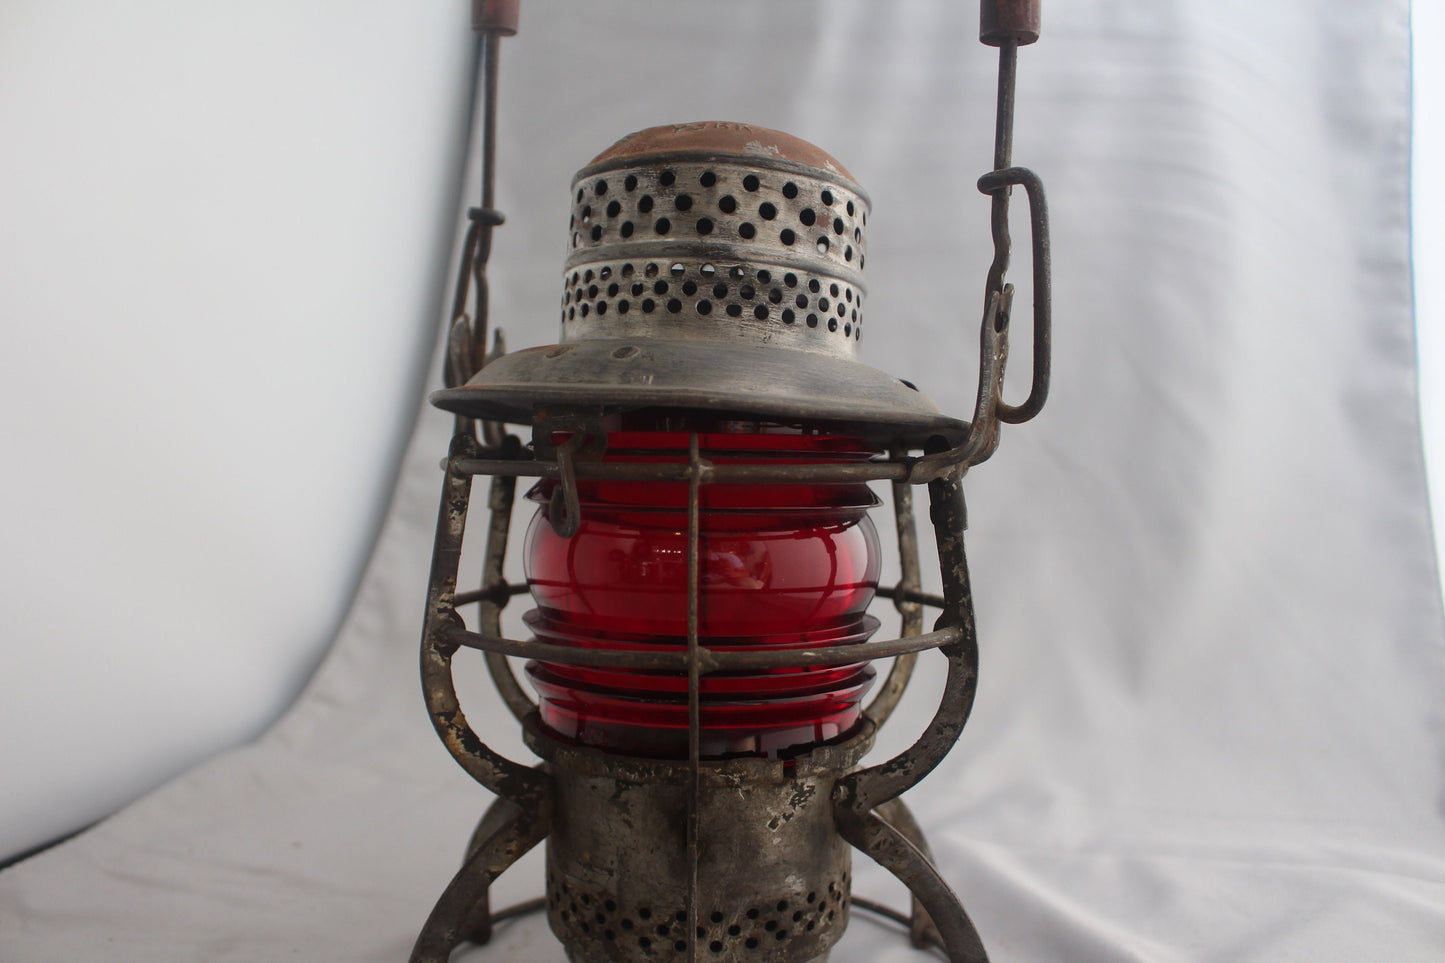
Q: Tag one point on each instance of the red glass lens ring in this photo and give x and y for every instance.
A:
(782, 566)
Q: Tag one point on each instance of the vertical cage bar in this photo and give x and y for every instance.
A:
(694, 685)
(910, 610)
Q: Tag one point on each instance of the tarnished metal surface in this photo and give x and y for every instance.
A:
(910, 611)
(1002, 21)
(619, 862)
(718, 267)
(921, 928)
(455, 916)
(496, 16)
(499, 774)
(718, 137)
(624, 883)
(643, 854)
(892, 850)
(870, 788)
(707, 660)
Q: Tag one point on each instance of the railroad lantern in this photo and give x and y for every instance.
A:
(702, 556)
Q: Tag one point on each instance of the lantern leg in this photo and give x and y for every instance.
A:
(892, 849)
(477, 927)
(921, 928)
(463, 912)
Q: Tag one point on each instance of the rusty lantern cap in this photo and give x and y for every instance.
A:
(712, 266)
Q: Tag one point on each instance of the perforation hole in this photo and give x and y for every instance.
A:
(708, 179)
(751, 182)
(613, 209)
(790, 190)
(727, 204)
(704, 225)
(683, 202)
(787, 236)
(807, 216)
(644, 204)
(667, 178)
(746, 231)
(630, 184)
(767, 211)
(662, 226)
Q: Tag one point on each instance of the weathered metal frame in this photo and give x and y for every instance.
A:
(866, 804)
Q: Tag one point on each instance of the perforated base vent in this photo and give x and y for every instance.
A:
(762, 928)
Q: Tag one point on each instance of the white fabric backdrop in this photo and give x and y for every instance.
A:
(1209, 722)
(223, 230)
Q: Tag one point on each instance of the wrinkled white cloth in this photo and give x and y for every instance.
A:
(1209, 723)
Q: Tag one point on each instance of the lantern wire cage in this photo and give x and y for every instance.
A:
(567, 448)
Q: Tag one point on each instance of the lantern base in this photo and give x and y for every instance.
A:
(765, 877)
(772, 872)
(773, 860)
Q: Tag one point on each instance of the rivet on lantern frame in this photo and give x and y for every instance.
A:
(566, 400)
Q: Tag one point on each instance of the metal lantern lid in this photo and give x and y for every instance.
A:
(711, 266)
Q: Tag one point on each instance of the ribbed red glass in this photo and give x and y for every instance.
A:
(782, 566)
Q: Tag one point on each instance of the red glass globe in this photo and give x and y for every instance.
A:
(782, 566)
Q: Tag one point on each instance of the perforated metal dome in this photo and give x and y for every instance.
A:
(711, 266)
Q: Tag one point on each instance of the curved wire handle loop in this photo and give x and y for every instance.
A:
(993, 183)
